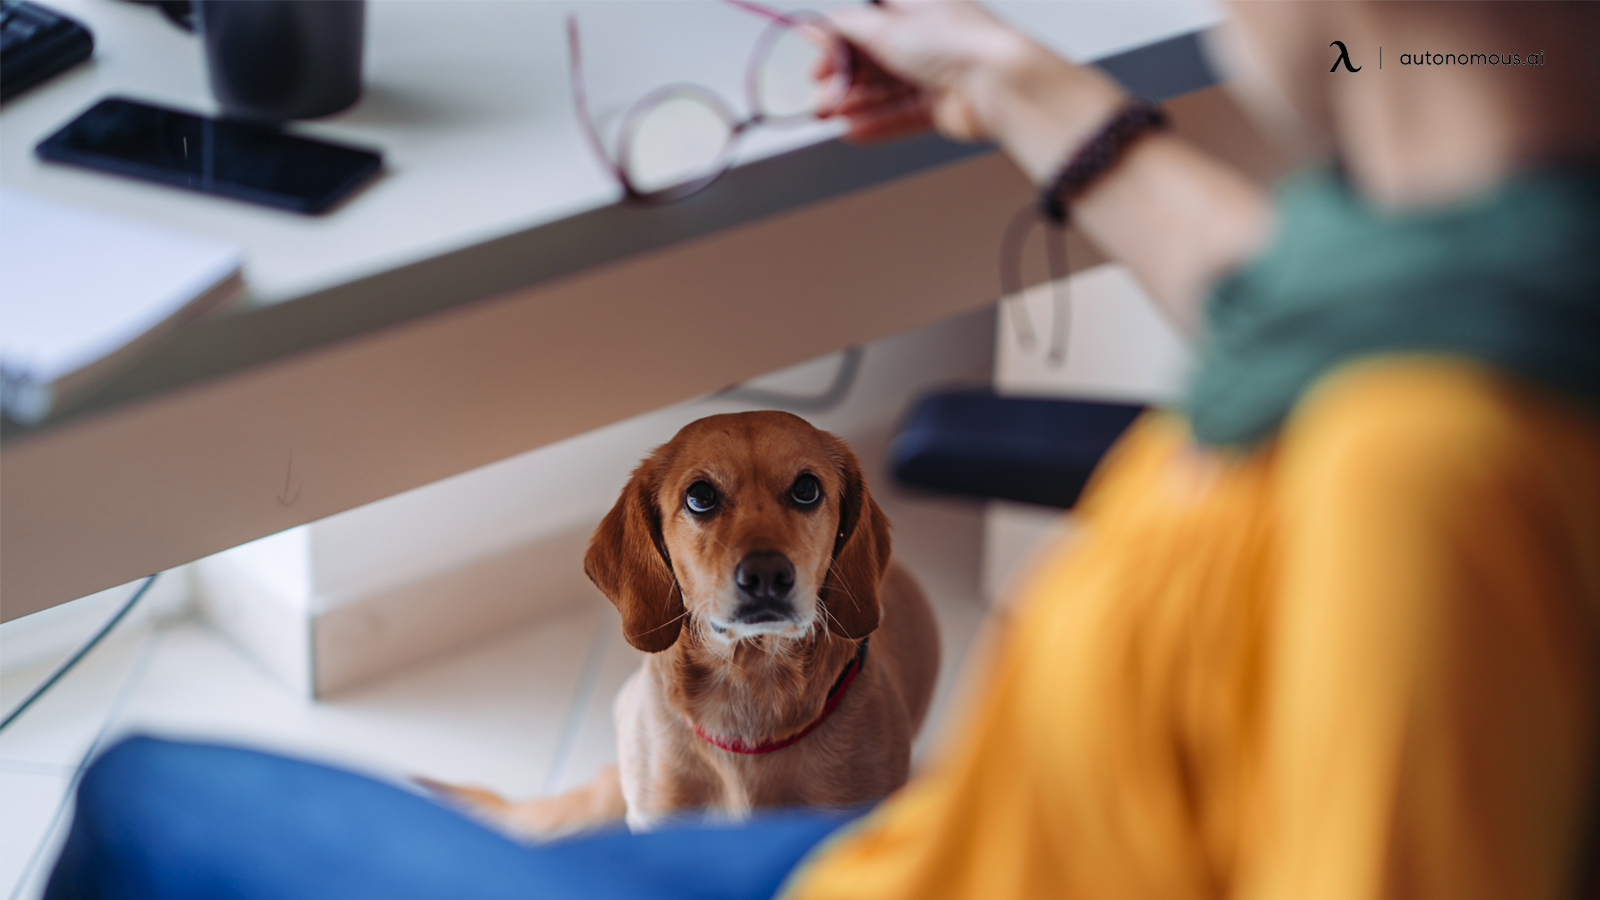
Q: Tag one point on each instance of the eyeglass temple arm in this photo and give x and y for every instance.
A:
(1012, 281)
(580, 100)
(761, 10)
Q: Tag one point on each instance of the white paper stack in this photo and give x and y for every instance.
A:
(82, 292)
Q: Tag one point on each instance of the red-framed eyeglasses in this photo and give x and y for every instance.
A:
(677, 139)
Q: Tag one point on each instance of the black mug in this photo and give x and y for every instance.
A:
(275, 60)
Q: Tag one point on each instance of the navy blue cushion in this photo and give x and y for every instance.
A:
(1030, 449)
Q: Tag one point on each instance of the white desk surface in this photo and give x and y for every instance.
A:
(488, 294)
(469, 101)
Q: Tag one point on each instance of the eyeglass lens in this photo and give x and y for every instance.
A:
(679, 138)
(675, 137)
(782, 79)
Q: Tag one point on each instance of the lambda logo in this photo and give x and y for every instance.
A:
(1344, 57)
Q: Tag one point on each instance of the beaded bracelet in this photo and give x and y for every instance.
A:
(1098, 155)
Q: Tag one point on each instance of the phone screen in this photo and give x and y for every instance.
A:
(233, 159)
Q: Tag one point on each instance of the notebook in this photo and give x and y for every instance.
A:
(83, 293)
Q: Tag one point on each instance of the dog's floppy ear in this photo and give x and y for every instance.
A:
(860, 553)
(628, 562)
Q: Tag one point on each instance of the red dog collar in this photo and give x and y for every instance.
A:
(835, 697)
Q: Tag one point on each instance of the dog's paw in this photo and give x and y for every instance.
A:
(597, 803)
(475, 801)
(530, 819)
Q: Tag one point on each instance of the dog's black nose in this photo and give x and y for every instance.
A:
(764, 580)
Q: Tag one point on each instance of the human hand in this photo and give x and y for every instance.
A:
(923, 64)
(1175, 216)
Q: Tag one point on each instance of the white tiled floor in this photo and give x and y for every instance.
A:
(525, 714)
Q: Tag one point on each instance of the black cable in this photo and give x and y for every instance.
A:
(843, 380)
(73, 659)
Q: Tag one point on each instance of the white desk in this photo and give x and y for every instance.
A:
(487, 295)
(470, 102)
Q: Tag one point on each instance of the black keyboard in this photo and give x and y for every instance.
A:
(36, 43)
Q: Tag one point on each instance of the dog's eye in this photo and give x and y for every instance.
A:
(701, 497)
(806, 490)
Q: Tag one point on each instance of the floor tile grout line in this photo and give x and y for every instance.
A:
(28, 767)
(581, 700)
(129, 683)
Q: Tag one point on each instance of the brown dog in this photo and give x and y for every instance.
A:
(748, 558)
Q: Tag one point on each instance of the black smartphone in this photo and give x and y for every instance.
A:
(256, 163)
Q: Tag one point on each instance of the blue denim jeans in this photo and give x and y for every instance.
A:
(175, 820)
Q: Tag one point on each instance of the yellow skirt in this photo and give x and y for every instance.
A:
(1362, 662)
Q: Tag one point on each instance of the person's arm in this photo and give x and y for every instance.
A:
(1174, 215)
